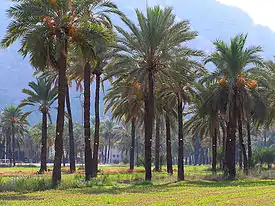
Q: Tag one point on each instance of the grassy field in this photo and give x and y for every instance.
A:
(22, 186)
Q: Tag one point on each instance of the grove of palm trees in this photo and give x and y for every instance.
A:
(158, 116)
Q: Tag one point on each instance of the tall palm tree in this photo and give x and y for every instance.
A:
(103, 55)
(53, 75)
(94, 60)
(183, 71)
(94, 54)
(206, 118)
(124, 99)
(168, 144)
(157, 144)
(146, 48)
(163, 107)
(71, 131)
(41, 95)
(47, 29)
(167, 106)
(262, 107)
(14, 123)
(231, 61)
(44, 29)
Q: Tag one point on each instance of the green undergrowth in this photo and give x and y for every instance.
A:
(200, 187)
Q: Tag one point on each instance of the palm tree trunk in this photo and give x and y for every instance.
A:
(223, 146)
(214, 150)
(105, 154)
(249, 145)
(180, 140)
(242, 145)
(231, 146)
(4, 148)
(9, 149)
(203, 160)
(132, 149)
(43, 166)
(197, 150)
(64, 159)
(157, 145)
(19, 152)
(13, 145)
(97, 124)
(207, 156)
(61, 65)
(240, 133)
(148, 122)
(87, 129)
(71, 130)
(168, 145)
(102, 154)
(137, 152)
(109, 150)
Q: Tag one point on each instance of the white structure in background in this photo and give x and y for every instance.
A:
(116, 156)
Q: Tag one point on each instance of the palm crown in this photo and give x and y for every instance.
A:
(41, 94)
(44, 25)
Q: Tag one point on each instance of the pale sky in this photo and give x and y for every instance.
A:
(261, 11)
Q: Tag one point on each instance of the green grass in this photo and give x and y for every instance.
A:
(130, 189)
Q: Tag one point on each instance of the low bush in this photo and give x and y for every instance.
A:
(265, 156)
(22, 184)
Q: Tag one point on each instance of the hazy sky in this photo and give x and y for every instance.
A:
(262, 11)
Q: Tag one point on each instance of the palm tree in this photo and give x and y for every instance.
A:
(167, 106)
(53, 75)
(125, 100)
(163, 107)
(44, 31)
(111, 136)
(183, 71)
(41, 95)
(146, 48)
(206, 118)
(95, 53)
(103, 56)
(47, 29)
(265, 113)
(231, 62)
(168, 144)
(71, 132)
(14, 123)
(157, 144)
(35, 133)
(94, 60)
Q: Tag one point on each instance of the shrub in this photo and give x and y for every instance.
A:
(116, 161)
(22, 184)
(265, 155)
(125, 161)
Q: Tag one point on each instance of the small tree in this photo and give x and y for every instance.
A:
(41, 96)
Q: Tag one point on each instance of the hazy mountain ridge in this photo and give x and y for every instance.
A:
(211, 19)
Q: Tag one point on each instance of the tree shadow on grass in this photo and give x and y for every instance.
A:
(228, 183)
(17, 197)
(132, 188)
(142, 187)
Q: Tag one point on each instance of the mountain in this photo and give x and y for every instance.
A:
(210, 18)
